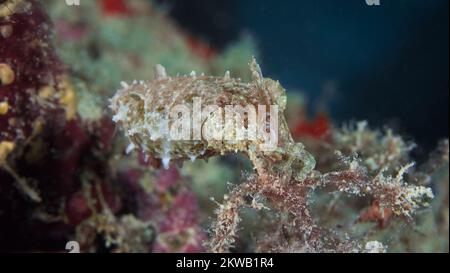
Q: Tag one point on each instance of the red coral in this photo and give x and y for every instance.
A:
(200, 48)
(179, 229)
(115, 7)
(318, 128)
(167, 179)
(77, 209)
(376, 214)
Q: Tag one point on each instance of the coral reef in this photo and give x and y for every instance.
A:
(285, 176)
(67, 173)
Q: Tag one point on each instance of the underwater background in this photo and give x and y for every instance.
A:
(386, 63)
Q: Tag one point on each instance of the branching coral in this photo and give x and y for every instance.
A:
(378, 150)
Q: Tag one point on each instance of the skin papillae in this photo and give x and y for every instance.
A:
(285, 175)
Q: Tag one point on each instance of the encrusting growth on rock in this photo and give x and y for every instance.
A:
(6, 74)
